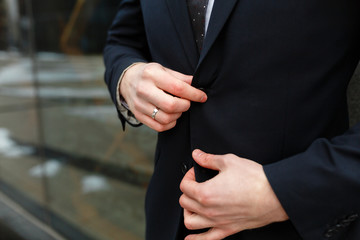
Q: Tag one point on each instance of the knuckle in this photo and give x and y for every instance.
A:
(141, 89)
(210, 213)
(187, 106)
(163, 119)
(183, 105)
(157, 129)
(170, 106)
(148, 70)
(188, 223)
(203, 197)
(181, 201)
(177, 88)
(137, 105)
(177, 116)
(182, 187)
(171, 125)
(167, 119)
(161, 128)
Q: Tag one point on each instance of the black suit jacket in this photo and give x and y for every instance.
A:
(276, 74)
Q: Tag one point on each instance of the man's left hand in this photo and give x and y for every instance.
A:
(238, 198)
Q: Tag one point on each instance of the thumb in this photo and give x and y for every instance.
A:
(210, 161)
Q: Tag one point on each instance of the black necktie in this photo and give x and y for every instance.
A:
(197, 12)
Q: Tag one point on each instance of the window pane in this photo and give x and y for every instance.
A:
(63, 154)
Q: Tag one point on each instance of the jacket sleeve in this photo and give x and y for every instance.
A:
(320, 188)
(126, 44)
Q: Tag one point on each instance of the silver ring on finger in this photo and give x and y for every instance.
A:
(155, 111)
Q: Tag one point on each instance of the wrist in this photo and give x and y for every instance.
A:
(128, 75)
(276, 212)
(121, 102)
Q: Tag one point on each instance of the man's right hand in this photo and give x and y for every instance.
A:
(146, 86)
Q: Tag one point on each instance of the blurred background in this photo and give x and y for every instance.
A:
(67, 170)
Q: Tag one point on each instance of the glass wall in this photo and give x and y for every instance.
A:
(63, 154)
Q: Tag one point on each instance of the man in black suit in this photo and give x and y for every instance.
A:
(262, 92)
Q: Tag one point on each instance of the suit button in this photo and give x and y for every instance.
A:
(184, 168)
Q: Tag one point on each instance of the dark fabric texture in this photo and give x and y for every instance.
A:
(276, 74)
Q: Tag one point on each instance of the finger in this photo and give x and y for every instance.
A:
(143, 111)
(161, 116)
(164, 101)
(188, 185)
(153, 124)
(211, 234)
(148, 121)
(149, 92)
(199, 192)
(211, 161)
(181, 89)
(166, 118)
(180, 76)
(190, 175)
(193, 221)
(171, 104)
(190, 204)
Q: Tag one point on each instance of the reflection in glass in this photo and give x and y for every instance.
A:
(63, 154)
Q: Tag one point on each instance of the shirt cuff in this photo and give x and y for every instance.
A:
(121, 103)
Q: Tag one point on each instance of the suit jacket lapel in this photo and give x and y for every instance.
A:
(220, 13)
(180, 16)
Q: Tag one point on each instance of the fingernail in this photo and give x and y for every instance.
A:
(203, 98)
